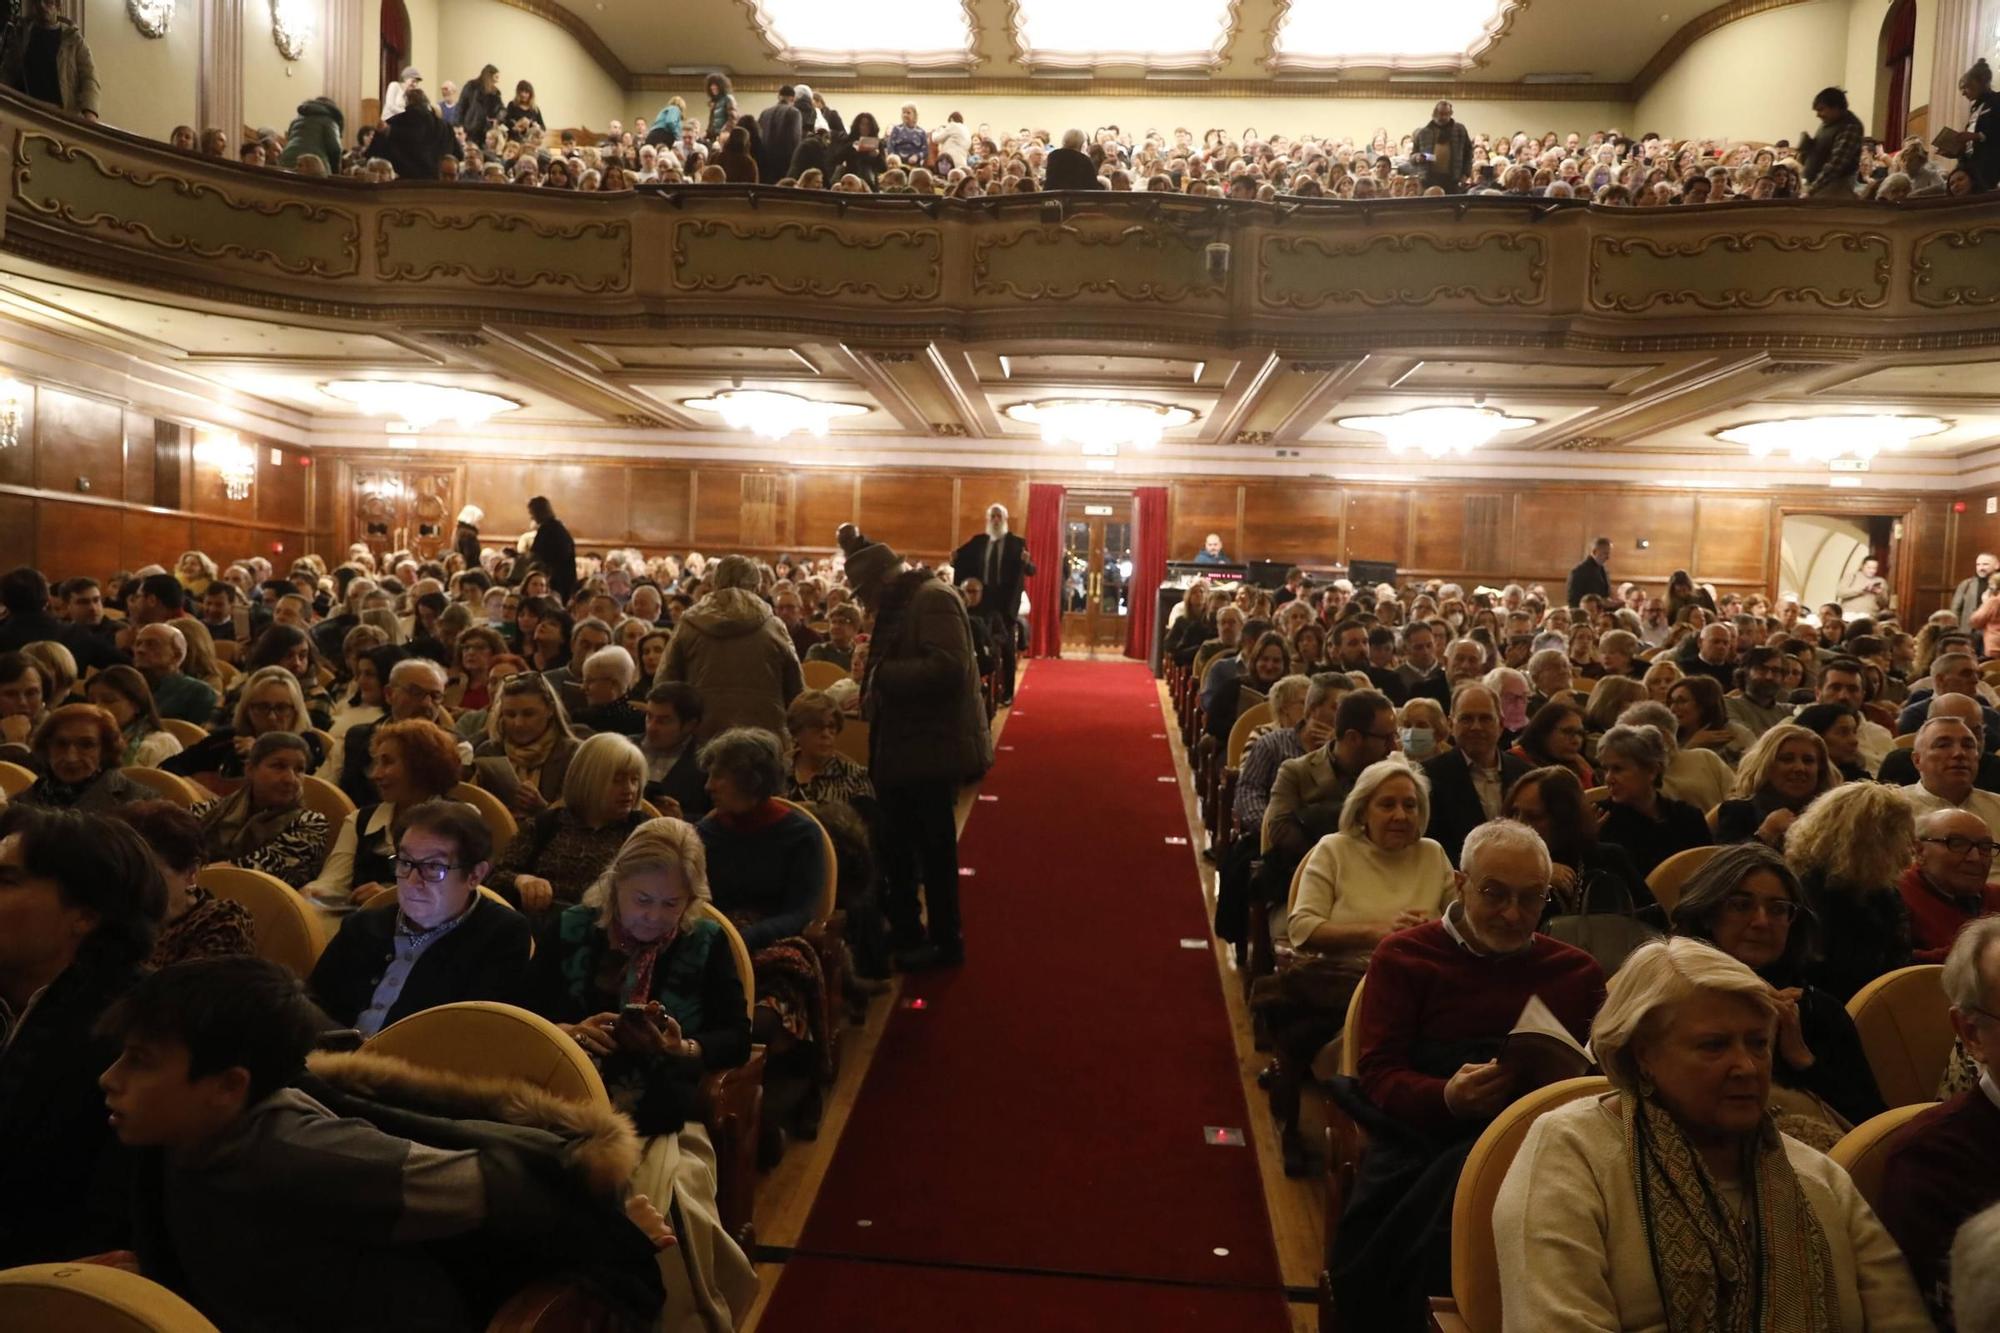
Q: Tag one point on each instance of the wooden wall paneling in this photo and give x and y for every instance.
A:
(1731, 540)
(281, 487)
(718, 511)
(147, 538)
(1665, 520)
(1925, 546)
(910, 511)
(17, 532)
(1296, 521)
(210, 499)
(1378, 526)
(17, 465)
(1197, 508)
(78, 437)
(78, 539)
(1548, 536)
(141, 457)
(659, 508)
(1439, 541)
(822, 501)
(979, 491)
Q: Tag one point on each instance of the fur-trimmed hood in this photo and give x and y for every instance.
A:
(603, 1146)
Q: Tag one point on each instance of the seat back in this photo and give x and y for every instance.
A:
(287, 930)
(830, 888)
(499, 819)
(1669, 875)
(1475, 1269)
(1350, 1033)
(1906, 741)
(187, 733)
(853, 740)
(819, 675)
(323, 797)
(486, 1039)
(738, 950)
(1239, 733)
(15, 779)
(92, 1298)
(1592, 795)
(650, 811)
(1904, 1023)
(166, 786)
(1863, 1152)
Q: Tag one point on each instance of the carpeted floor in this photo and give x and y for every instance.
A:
(1044, 1109)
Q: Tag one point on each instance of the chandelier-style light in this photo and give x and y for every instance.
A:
(1438, 432)
(13, 400)
(1825, 439)
(292, 23)
(772, 414)
(419, 405)
(229, 456)
(1101, 426)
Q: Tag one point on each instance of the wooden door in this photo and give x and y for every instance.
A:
(1097, 573)
(398, 509)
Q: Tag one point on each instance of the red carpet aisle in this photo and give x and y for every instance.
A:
(1042, 1114)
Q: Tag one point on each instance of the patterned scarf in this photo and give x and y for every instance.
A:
(1768, 1271)
(640, 955)
(528, 760)
(233, 830)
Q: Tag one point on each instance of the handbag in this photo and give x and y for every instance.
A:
(1604, 926)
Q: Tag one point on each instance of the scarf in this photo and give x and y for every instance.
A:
(1768, 1271)
(640, 956)
(233, 830)
(527, 760)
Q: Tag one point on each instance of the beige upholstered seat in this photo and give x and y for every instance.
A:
(1671, 874)
(91, 1298)
(1904, 1023)
(324, 798)
(499, 819)
(15, 779)
(287, 929)
(487, 1039)
(187, 733)
(819, 675)
(166, 786)
(1863, 1152)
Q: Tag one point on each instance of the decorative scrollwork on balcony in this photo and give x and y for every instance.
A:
(1058, 263)
(1381, 270)
(1957, 268)
(808, 259)
(503, 250)
(1834, 270)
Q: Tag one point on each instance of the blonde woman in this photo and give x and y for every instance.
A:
(270, 700)
(58, 667)
(1625, 1211)
(1848, 850)
(556, 856)
(1779, 777)
(653, 995)
(528, 747)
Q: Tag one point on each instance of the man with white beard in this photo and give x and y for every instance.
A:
(999, 559)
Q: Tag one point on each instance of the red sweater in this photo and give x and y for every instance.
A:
(1941, 1171)
(1424, 987)
(1935, 920)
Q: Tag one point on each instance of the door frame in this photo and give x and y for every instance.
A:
(1093, 637)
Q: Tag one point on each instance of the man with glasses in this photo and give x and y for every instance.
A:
(1439, 1002)
(1947, 755)
(158, 651)
(1945, 1167)
(1947, 886)
(1307, 795)
(415, 692)
(441, 941)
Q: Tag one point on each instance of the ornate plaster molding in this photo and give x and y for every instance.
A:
(1696, 28)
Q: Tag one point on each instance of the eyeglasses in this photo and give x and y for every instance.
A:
(1748, 904)
(1959, 845)
(272, 710)
(430, 872)
(1499, 897)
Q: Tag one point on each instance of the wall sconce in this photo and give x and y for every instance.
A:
(228, 455)
(291, 26)
(13, 398)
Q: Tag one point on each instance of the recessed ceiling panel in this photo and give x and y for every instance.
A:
(1084, 34)
(1980, 379)
(1111, 369)
(918, 33)
(1444, 35)
(695, 357)
(1445, 376)
(196, 335)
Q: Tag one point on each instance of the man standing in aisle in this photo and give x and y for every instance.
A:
(927, 736)
(1444, 150)
(553, 549)
(1589, 576)
(999, 559)
(778, 132)
(1971, 592)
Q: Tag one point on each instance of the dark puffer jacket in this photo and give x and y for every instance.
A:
(926, 721)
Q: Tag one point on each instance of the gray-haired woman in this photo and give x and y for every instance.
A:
(1649, 824)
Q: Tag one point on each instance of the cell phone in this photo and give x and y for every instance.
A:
(867, 143)
(638, 1013)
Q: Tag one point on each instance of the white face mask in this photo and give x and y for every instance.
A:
(1419, 742)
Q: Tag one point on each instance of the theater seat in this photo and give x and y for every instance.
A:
(852, 741)
(731, 1105)
(1670, 875)
(1904, 1023)
(287, 929)
(324, 798)
(1863, 1152)
(820, 675)
(166, 786)
(499, 819)
(15, 779)
(187, 733)
(827, 934)
(91, 1298)
(483, 1038)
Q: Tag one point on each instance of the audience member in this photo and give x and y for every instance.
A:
(1469, 782)
(1849, 849)
(122, 692)
(1784, 772)
(264, 823)
(1640, 817)
(558, 854)
(410, 762)
(529, 746)
(735, 652)
(1947, 759)
(196, 923)
(1948, 885)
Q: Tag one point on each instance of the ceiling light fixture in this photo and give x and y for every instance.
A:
(419, 405)
(1824, 439)
(1431, 35)
(1438, 432)
(1098, 425)
(773, 414)
(13, 400)
(229, 456)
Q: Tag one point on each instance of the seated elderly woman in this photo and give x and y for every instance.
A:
(269, 701)
(608, 677)
(1660, 679)
(1554, 737)
(1699, 777)
(1783, 773)
(562, 850)
(84, 898)
(75, 752)
(655, 998)
(1421, 727)
(1608, 698)
(264, 824)
(122, 692)
(409, 763)
(438, 940)
(528, 745)
(1838, 726)
(1377, 875)
(1628, 1211)
(1637, 815)
(1702, 720)
(197, 924)
(1586, 873)
(767, 867)
(1747, 902)
(1440, 1001)
(819, 771)
(1849, 850)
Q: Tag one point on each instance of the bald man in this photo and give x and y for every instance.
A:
(1947, 754)
(1947, 885)
(1899, 767)
(158, 651)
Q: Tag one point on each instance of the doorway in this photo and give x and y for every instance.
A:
(1897, 49)
(395, 42)
(1097, 573)
(1819, 553)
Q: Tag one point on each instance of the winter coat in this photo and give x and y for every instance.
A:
(76, 72)
(316, 131)
(350, 1176)
(926, 721)
(555, 551)
(813, 152)
(666, 127)
(731, 648)
(415, 141)
(778, 129)
(477, 108)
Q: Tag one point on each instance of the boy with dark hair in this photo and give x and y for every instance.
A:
(423, 1199)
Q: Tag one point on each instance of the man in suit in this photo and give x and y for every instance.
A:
(999, 560)
(1589, 576)
(674, 780)
(1069, 167)
(1469, 782)
(778, 132)
(1971, 592)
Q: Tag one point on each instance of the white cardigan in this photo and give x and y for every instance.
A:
(1572, 1247)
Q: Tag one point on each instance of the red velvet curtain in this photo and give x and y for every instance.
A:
(1149, 569)
(1045, 549)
